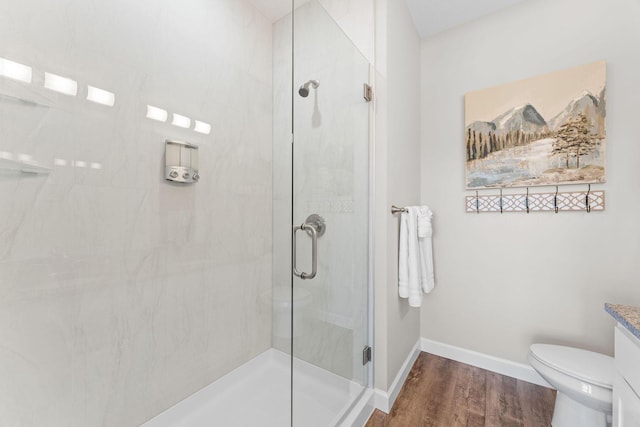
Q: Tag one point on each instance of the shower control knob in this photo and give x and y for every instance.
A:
(185, 175)
(195, 176)
(173, 174)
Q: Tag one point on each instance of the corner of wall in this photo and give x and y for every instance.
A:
(397, 179)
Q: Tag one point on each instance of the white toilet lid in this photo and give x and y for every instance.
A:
(594, 368)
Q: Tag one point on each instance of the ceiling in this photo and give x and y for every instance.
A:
(433, 16)
(429, 16)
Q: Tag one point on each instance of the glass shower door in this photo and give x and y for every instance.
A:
(330, 214)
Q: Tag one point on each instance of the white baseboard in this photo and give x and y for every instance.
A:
(384, 400)
(484, 361)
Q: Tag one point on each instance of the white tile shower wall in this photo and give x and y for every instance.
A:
(282, 138)
(331, 180)
(357, 20)
(120, 293)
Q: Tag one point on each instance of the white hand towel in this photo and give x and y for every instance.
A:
(403, 257)
(415, 254)
(409, 284)
(415, 293)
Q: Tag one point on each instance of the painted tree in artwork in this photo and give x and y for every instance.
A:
(575, 139)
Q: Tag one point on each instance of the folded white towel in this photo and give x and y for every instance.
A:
(415, 259)
(425, 241)
(403, 257)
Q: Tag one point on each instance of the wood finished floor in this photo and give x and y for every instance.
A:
(442, 393)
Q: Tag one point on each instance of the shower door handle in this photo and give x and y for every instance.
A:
(310, 229)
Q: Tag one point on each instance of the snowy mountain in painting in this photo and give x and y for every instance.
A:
(590, 106)
(525, 118)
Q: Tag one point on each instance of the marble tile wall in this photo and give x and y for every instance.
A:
(122, 293)
(356, 19)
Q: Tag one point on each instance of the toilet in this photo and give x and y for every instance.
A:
(281, 300)
(584, 381)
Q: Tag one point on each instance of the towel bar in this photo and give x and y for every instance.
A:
(395, 209)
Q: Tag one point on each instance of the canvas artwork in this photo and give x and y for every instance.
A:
(547, 130)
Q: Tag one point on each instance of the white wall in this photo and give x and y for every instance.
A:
(506, 281)
(397, 179)
(120, 293)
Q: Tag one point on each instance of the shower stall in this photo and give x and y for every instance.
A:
(232, 290)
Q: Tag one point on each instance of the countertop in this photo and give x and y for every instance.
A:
(627, 315)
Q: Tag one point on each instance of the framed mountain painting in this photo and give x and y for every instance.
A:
(546, 130)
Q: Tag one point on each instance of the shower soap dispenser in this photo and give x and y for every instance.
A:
(181, 161)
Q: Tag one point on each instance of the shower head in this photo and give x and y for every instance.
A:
(304, 89)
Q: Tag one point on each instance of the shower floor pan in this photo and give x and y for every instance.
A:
(258, 394)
